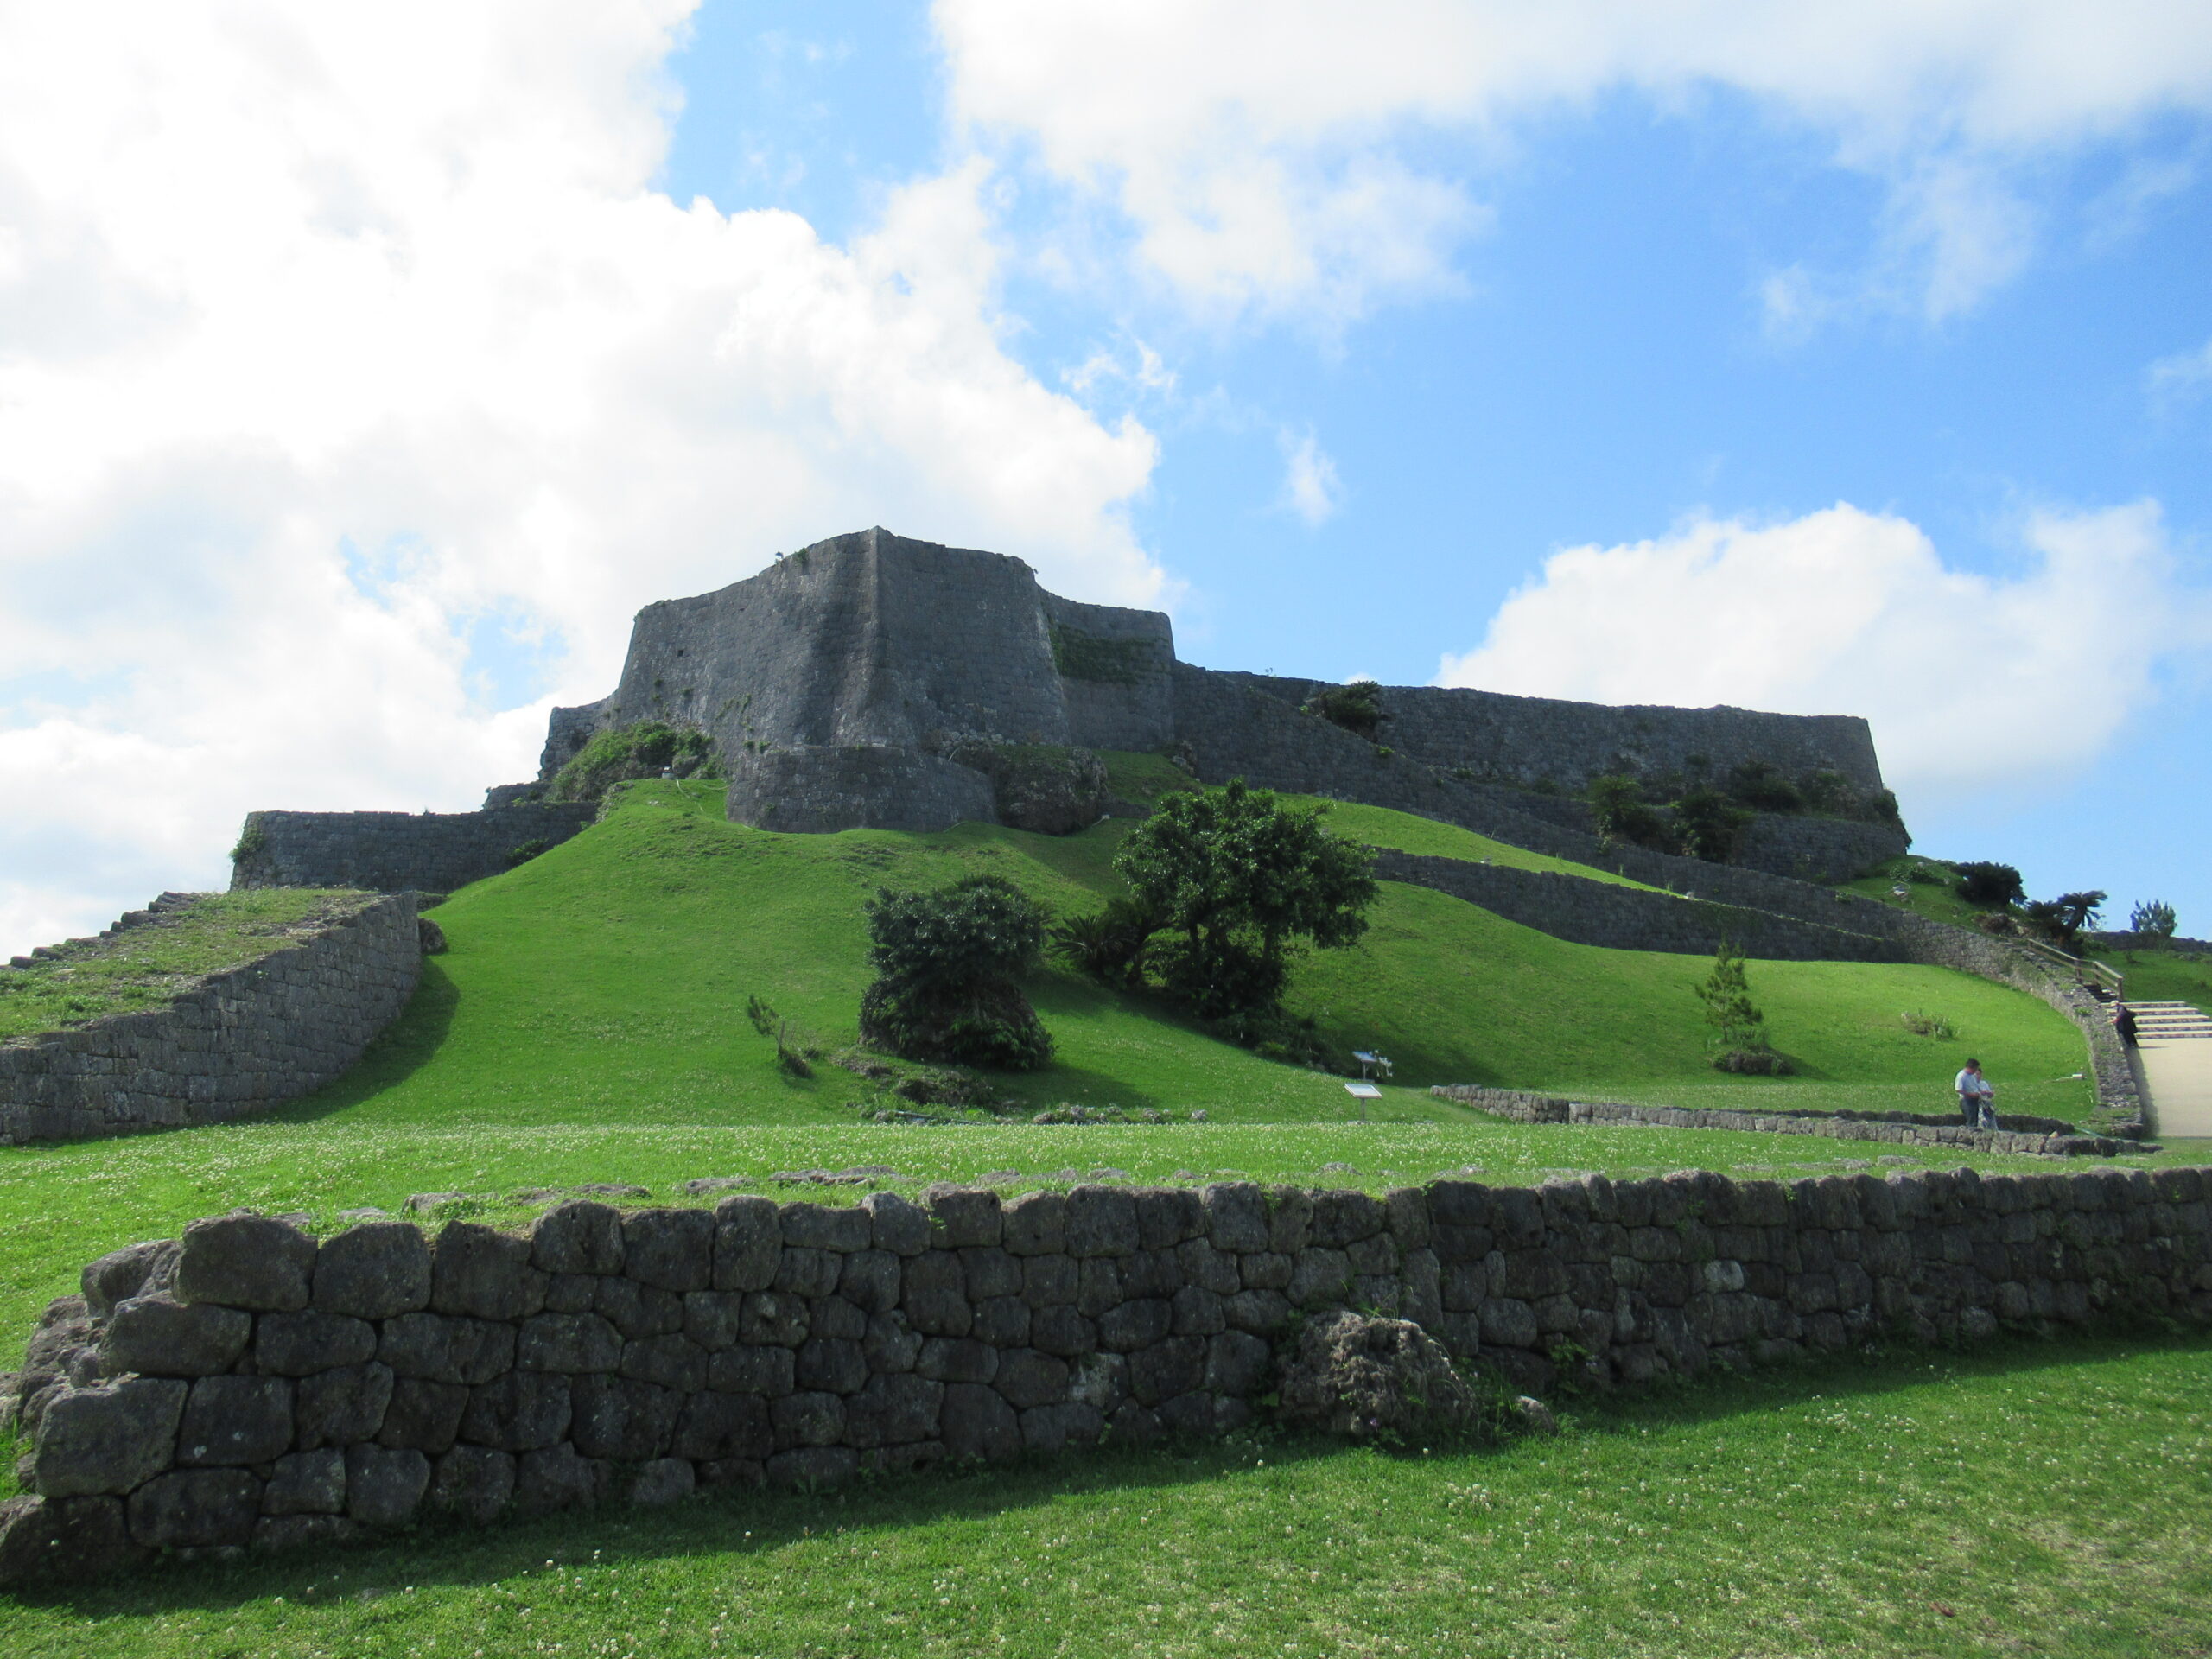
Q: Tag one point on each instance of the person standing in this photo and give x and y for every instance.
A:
(1974, 1095)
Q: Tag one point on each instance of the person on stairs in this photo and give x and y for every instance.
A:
(1975, 1094)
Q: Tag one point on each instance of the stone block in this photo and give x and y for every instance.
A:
(1212, 1269)
(1196, 1312)
(1167, 1369)
(935, 1294)
(581, 1235)
(300, 1344)
(753, 1369)
(900, 1226)
(243, 1260)
(1055, 1428)
(827, 1227)
(813, 1467)
(522, 1411)
(1319, 1277)
(422, 1416)
(134, 1270)
(446, 1349)
(832, 1365)
(1260, 1311)
(1062, 1329)
(771, 1319)
(559, 1478)
(1035, 1225)
(232, 1420)
(1102, 1221)
(962, 1217)
(1238, 1364)
(373, 1270)
(195, 1508)
(1098, 1285)
(622, 1419)
(894, 1410)
(957, 1359)
(107, 1438)
(1343, 1218)
(638, 1310)
(1290, 1219)
(803, 1272)
(748, 1244)
(1132, 1325)
(307, 1483)
(341, 1406)
(473, 1483)
(1236, 1216)
(479, 1273)
(673, 1361)
(1167, 1216)
(158, 1336)
(976, 1421)
(712, 1426)
(662, 1481)
(1028, 1377)
(1406, 1216)
(574, 1343)
(1001, 1321)
(870, 1280)
(670, 1250)
(807, 1418)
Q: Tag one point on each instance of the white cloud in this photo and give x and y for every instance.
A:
(1970, 681)
(1310, 488)
(328, 334)
(2185, 374)
(1267, 152)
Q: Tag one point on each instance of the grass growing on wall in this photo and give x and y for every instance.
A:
(2051, 1498)
(143, 966)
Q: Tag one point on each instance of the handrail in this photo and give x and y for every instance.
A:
(2105, 976)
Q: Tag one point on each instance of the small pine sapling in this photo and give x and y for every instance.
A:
(1737, 1040)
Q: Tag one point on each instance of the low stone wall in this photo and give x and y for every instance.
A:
(395, 852)
(237, 1043)
(249, 1386)
(815, 791)
(2036, 1136)
(1632, 918)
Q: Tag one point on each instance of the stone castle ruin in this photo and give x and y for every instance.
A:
(872, 681)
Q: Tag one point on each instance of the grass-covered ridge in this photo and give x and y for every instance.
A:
(145, 965)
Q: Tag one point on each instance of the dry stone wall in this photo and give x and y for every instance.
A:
(395, 852)
(249, 1386)
(237, 1043)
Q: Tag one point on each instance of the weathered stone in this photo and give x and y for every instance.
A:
(1053, 1428)
(307, 1483)
(157, 1335)
(663, 1480)
(1098, 1286)
(1236, 1216)
(1102, 1221)
(670, 1250)
(753, 1368)
(1263, 1270)
(1167, 1369)
(1049, 1280)
(1196, 1312)
(472, 1483)
(957, 1359)
(1406, 1208)
(1290, 1219)
(832, 1365)
(890, 1345)
(422, 1416)
(976, 1421)
(1135, 1324)
(1035, 1225)
(1507, 1323)
(1366, 1377)
(935, 1294)
(1319, 1277)
(894, 1410)
(834, 1316)
(341, 1406)
(483, 1273)
(558, 1478)
(808, 1419)
(274, 1534)
(243, 1260)
(1375, 1256)
(1029, 1378)
(1343, 1218)
(1062, 1329)
(384, 1487)
(673, 1362)
(195, 1508)
(374, 1271)
(804, 1272)
(445, 1349)
(1237, 1363)
(962, 1217)
(812, 1466)
(134, 1270)
(300, 1344)
(827, 1227)
(621, 1418)
(108, 1438)
(65, 1538)
(522, 1411)
(748, 1244)
(1132, 1424)
(578, 1236)
(1260, 1311)
(769, 1317)
(712, 1426)
(638, 1310)
(571, 1293)
(870, 1280)
(235, 1419)
(899, 1227)
(1167, 1216)
(572, 1342)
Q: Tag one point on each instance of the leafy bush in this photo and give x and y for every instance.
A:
(528, 850)
(1760, 785)
(948, 964)
(1829, 792)
(795, 1053)
(1709, 825)
(1990, 884)
(252, 841)
(1928, 1025)
(2153, 916)
(1240, 880)
(1621, 813)
(2062, 920)
(1107, 944)
(1357, 707)
(1997, 922)
(644, 750)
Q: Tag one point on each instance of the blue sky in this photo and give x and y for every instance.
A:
(358, 379)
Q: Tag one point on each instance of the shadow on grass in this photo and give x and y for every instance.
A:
(748, 1521)
(403, 1048)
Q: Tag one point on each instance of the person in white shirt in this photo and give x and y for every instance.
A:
(1974, 1096)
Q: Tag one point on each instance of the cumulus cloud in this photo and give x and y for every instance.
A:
(1270, 154)
(348, 364)
(2185, 374)
(1310, 488)
(1971, 681)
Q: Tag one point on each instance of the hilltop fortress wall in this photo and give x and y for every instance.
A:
(867, 680)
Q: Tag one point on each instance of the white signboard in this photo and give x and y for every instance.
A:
(1363, 1091)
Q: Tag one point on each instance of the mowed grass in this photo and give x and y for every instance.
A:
(2165, 977)
(145, 966)
(606, 980)
(2052, 1499)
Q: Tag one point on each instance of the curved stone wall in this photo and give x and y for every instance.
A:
(395, 852)
(237, 1043)
(250, 1385)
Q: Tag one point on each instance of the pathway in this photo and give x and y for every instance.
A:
(2174, 1051)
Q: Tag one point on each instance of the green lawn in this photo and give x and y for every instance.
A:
(2165, 977)
(145, 966)
(2051, 1499)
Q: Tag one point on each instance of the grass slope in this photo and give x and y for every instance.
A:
(605, 981)
(2051, 1499)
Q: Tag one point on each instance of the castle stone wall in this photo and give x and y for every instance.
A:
(815, 791)
(240, 1041)
(1116, 671)
(395, 852)
(251, 1385)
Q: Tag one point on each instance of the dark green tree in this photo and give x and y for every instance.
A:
(948, 966)
(1738, 1036)
(1710, 825)
(2062, 920)
(1357, 707)
(1981, 883)
(1621, 813)
(1235, 881)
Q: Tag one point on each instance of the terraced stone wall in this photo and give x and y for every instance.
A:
(238, 1042)
(395, 852)
(251, 1386)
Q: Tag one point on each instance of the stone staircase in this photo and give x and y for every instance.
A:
(2174, 1052)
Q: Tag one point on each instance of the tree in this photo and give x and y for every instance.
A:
(1357, 706)
(1621, 813)
(949, 965)
(1990, 884)
(2153, 916)
(1710, 824)
(2062, 918)
(1235, 882)
(1739, 1041)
